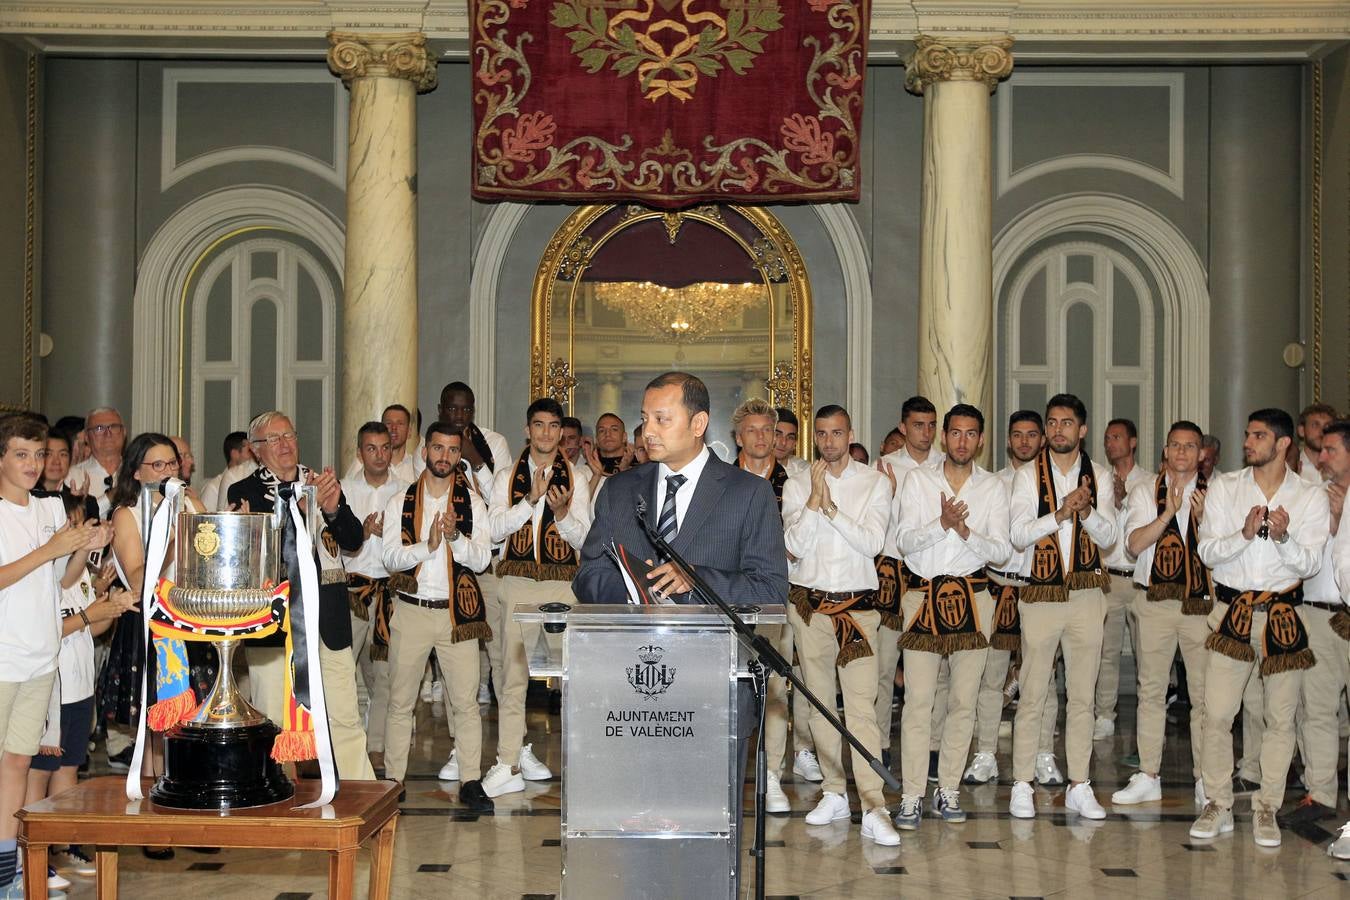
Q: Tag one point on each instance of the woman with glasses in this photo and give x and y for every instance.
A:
(149, 459)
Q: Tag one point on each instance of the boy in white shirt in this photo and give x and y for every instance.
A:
(34, 537)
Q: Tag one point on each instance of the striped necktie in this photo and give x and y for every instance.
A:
(666, 525)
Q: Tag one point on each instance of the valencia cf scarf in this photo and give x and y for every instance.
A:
(468, 615)
(1340, 623)
(554, 559)
(1178, 573)
(1007, 619)
(887, 601)
(371, 597)
(945, 622)
(778, 477)
(1051, 580)
(1284, 644)
(839, 607)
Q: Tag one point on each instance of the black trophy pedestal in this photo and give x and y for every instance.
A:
(221, 768)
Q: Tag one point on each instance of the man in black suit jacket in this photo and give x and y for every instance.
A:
(277, 447)
(723, 520)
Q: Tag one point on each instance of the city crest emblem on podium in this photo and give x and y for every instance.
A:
(649, 677)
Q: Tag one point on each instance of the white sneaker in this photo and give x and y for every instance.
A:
(437, 692)
(484, 695)
(425, 694)
(831, 808)
(1265, 831)
(1200, 799)
(1213, 821)
(775, 801)
(983, 769)
(877, 828)
(1340, 848)
(1047, 771)
(501, 780)
(1022, 803)
(450, 771)
(804, 766)
(56, 881)
(1081, 800)
(1141, 789)
(1103, 729)
(531, 769)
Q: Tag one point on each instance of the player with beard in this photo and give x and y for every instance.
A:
(1026, 437)
(436, 536)
(1062, 513)
(1264, 532)
(953, 522)
(1312, 422)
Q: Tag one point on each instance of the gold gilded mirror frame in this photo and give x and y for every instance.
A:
(773, 254)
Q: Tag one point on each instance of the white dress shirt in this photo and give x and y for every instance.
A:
(228, 478)
(1308, 470)
(902, 463)
(365, 498)
(405, 470)
(1013, 562)
(472, 552)
(1118, 555)
(1262, 564)
(930, 549)
(1141, 508)
(98, 479)
(692, 471)
(837, 554)
(507, 519)
(1028, 527)
(1340, 557)
(1321, 588)
(501, 460)
(794, 464)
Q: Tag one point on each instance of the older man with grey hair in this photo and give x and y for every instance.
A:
(107, 436)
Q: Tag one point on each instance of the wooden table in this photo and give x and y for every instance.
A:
(98, 812)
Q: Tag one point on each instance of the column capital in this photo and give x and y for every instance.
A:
(382, 55)
(943, 59)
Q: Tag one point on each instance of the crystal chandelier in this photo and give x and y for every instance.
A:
(681, 315)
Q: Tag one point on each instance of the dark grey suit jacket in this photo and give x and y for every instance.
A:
(731, 533)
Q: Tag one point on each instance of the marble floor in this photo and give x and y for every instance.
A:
(443, 850)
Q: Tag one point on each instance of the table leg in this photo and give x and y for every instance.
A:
(382, 860)
(341, 874)
(35, 870)
(105, 864)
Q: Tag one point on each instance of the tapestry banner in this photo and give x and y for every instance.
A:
(668, 102)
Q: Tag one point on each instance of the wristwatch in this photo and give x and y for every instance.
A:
(831, 510)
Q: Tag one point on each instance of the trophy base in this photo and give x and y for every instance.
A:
(221, 769)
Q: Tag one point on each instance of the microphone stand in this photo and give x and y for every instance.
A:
(766, 658)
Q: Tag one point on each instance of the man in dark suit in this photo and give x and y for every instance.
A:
(277, 447)
(722, 519)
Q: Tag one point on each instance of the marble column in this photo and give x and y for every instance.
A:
(956, 302)
(610, 396)
(384, 73)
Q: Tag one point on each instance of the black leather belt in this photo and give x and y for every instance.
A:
(1121, 573)
(1329, 607)
(1010, 576)
(424, 603)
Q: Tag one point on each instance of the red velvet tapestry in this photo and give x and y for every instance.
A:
(668, 102)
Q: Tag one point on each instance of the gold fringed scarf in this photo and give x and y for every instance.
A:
(468, 614)
(555, 559)
(1178, 573)
(1049, 581)
(945, 622)
(371, 596)
(1284, 644)
(839, 607)
(1340, 623)
(1007, 619)
(888, 592)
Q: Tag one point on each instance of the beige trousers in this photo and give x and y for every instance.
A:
(857, 681)
(888, 660)
(413, 633)
(1162, 630)
(989, 707)
(267, 685)
(1253, 728)
(1119, 617)
(1075, 628)
(1225, 681)
(776, 705)
(966, 669)
(375, 676)
(1319, 729)
(508, 653)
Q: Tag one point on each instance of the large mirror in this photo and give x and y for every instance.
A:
(624, 293)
